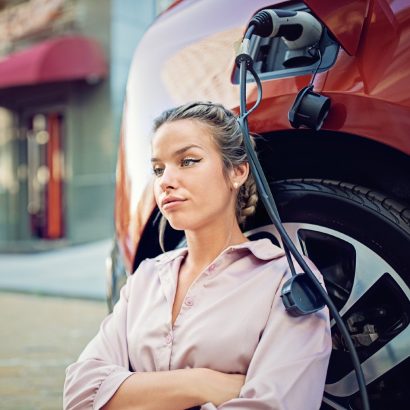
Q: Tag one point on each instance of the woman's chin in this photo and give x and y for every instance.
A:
(185, 225)
(177, 225)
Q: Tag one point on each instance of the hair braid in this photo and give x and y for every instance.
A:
(247, 200)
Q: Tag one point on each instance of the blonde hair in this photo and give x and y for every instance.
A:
(228, 137)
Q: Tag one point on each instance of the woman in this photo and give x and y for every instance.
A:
(204, 325)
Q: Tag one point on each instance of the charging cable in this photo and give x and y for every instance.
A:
(302, 294)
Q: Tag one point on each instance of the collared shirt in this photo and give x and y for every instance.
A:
(232, 320)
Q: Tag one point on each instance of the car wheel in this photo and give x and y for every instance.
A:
(360, 241)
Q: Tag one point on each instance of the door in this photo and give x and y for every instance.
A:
(45, 165)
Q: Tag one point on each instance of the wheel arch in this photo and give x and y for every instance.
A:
(337, 156)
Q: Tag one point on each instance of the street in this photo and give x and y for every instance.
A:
(40, 336)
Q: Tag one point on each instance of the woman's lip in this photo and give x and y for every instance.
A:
(172, 204)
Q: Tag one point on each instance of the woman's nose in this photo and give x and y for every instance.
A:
(168, 179)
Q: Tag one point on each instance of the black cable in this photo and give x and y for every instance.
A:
(259, 85)
(267, 199)
(254, 164)
(317, 68)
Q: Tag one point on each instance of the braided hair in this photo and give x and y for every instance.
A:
(229, 139)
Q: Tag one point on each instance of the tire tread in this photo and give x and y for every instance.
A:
(390, 208)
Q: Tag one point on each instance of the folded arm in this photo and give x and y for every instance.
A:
(101, 378)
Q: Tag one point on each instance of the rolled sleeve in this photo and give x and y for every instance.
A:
(289, 366)
(103, 365)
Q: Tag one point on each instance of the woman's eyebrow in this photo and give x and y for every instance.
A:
(184, 149)
(180, 151)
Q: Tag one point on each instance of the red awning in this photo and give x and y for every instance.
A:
(58, 59)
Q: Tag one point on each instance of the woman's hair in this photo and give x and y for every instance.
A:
(228, 137)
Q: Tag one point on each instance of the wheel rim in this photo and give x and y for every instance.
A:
(370, 270)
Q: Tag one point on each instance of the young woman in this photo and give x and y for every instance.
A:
(204, 325)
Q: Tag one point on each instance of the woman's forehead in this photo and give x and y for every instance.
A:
(175, 135)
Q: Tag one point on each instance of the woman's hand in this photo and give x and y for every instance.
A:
(217, 387)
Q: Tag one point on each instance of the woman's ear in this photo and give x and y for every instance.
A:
(239, 174)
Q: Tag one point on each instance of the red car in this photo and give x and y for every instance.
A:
(343, 192)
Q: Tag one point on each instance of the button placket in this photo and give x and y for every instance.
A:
(169, 338)
(189, 301)
(191, 294)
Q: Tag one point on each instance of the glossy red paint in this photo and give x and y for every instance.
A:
(129, 227)
(196, 63)
(344, 18)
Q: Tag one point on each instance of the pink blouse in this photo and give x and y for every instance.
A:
(232, 320)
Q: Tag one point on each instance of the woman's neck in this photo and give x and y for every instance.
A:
(206, 244)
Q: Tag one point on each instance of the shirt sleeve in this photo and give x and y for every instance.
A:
(289, 366)
(103, 365)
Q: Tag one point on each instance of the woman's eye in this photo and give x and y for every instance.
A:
(186, 162)
(158, 171)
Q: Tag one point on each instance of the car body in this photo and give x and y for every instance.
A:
(343, 192)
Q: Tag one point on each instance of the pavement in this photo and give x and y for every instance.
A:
(53, 303)
(76, 271)
(40, 336)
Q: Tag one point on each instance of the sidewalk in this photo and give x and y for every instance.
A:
(77, 271)
(41, 336)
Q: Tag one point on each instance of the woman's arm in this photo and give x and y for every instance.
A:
(101, 377)
(175, 390)
(289, 366)
(103, 365)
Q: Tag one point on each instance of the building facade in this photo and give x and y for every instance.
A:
(63, 70)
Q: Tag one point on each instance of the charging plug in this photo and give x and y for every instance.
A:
(300, 296)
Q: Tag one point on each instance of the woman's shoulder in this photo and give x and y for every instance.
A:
(150, 270)
(263, 249)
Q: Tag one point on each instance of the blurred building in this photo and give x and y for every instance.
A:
(63, 70)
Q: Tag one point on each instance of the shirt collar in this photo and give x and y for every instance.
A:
(263, 249)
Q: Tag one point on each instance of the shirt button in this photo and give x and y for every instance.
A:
(168, 339)
(189, 301)
(212, 267)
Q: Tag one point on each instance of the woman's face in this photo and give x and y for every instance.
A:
(190, 187)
